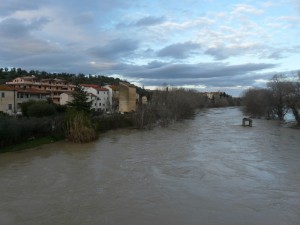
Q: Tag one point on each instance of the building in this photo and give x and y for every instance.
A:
(65, 98)
(11, 97)
(100, 97)
(53, 86)
(144, 100)
(127, 97)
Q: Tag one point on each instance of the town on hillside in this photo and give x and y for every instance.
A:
(122, 97)
(108, 98)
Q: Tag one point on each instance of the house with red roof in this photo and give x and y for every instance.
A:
(100, 97)
(11, 97)
(53, 86)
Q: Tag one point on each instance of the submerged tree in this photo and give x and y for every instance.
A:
(258, 102)
(281, 95)
(280, 89)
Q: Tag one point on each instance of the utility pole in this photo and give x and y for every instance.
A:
(14, 99)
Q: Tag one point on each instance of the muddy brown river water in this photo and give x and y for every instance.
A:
(208, 170)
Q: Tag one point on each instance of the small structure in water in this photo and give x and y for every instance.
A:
(245, 120)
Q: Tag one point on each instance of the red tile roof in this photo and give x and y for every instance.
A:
(21, 90)
(4, 87)
(90, 85)
(95, 86)
(32, 90)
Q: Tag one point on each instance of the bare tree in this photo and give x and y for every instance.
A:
(280, 89)
(169, 104)
(258, 102)
(292, 100)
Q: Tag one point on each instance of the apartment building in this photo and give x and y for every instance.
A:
(55, 87)
(11, 97)
(127, 97)
(100, 97)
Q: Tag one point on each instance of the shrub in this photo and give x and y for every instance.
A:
(41, 109)
(79, 126)
(13, 131)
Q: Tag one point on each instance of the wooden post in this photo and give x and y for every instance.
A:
(248, 120)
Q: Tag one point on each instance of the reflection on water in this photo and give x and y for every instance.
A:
(209, 170)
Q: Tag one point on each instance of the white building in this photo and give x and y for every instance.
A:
(101, 97)
(65, 98)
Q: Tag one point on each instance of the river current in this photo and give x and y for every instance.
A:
(207, 170)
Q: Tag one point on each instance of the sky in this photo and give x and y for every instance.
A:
(206, 45)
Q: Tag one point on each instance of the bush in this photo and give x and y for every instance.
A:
(38, 109)
(41, 109)
(13, 131)
(79, 126)
(114, 121)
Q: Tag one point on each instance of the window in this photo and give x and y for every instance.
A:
(10, 106)
(3, 95)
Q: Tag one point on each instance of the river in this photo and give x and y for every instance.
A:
(207, 170)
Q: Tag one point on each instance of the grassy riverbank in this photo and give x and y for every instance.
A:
(29, 144)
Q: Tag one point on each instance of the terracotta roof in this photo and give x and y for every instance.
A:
(91, 94)
(90, 85)
(31, 90)
(95, 86)
(21, 90)
(126, 84)
(102, 89)
(4, 87)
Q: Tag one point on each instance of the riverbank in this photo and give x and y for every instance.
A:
(36, 142)
(33, 138)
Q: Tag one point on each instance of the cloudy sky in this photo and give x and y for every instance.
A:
(208, 45)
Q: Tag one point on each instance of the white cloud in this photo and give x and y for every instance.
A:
(241, 9)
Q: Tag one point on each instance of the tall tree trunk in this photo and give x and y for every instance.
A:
(296, 114)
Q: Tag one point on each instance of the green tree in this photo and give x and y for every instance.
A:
(80, 100)
(41, 109)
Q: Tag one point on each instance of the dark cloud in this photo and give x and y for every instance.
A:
(17, 39)
(17, 29)
(179, 50)
(115, 49)
(155, 64)
(222, 52)
(13, 28)
(221, 82)
(85, 18)
(143, 22)
(201, 70)
(9, 6)
(276, 55)
(150, 21)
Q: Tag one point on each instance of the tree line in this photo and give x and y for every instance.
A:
(8, 74)
(281, 95)
(173, 104)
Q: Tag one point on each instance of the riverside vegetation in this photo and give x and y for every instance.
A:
(282, 95)
(77, 123)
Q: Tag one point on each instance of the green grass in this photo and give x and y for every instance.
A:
(29, 144)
